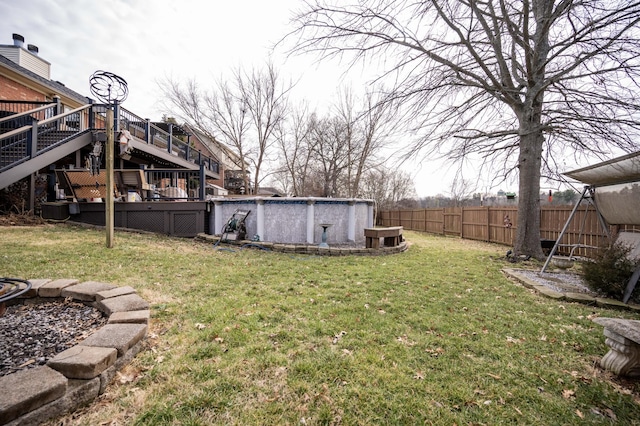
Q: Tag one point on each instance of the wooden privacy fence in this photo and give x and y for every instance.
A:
(499, 224)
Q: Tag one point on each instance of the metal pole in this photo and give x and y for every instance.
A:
(564, 228)
(109, 216)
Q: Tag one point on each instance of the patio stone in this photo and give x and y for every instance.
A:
(28, 390)
(118, 336)
(83, 362)
(86, 291)
(118, 291)
(130, 317)
(35, 285)
(54, 288)
(128, 302)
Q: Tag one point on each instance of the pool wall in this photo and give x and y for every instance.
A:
(297, 220)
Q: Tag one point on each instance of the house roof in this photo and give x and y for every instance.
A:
(54, 86)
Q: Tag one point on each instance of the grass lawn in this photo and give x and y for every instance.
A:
(435, 335)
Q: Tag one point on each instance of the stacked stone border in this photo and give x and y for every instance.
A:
(79, 374)
(309, 249)
(569, 296)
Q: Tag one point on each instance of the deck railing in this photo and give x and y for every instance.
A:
(37, 136)
(28, 129)
(154, 135)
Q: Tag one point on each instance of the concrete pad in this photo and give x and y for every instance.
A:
(54, 288)
(546, 291)
(86, 291)
(119, 291)
(28, 390)
(128, 302)
(83, 362)
(118, 336)
(79, 393)
(580, 298)
(33, 291)
(610, 303)
(130, 317)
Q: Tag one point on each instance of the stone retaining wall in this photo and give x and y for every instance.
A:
(310, 249)
(79, 374)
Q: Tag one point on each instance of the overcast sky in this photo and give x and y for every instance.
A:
(146, 41)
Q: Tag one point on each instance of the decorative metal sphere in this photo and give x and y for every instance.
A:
(108, 87)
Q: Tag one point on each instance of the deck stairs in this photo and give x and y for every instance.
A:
(33, 139)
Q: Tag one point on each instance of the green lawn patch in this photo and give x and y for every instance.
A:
(435, 335)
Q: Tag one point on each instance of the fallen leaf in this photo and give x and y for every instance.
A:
(218, 339)
(435, 352)
(419, 375)
(495, 376)
(125, 378)
(200, 326)
(611, 414)
(579, 413)
(568, 393)
(405, 340)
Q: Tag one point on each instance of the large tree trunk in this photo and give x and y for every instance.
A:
(527, 240)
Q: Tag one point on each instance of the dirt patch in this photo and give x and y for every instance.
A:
(13, 219)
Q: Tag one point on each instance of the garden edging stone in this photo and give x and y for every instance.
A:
(77, 375)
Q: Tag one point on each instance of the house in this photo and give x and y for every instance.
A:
(52, 138)
(230, 162)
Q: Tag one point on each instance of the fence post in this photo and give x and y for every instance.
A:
(488, 224)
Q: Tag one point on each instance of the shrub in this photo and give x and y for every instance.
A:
(610, 270)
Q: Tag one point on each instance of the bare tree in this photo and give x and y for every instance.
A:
(293, 136)
(387, 187)
(328, 156)
(243, 112)
(266, 100)
(514, 82)
(367, 133)
(220, 115)
(460, 190)
(330, 153)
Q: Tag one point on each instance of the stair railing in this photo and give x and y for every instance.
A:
(26, 142)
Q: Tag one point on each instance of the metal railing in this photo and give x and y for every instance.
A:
(153, 135)
(26, 133)
(168, 184)
(40, 135)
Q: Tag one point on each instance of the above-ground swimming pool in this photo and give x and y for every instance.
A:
(296, 220)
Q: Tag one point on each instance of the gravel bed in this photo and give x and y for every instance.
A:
(558, 281)
(32, 334)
